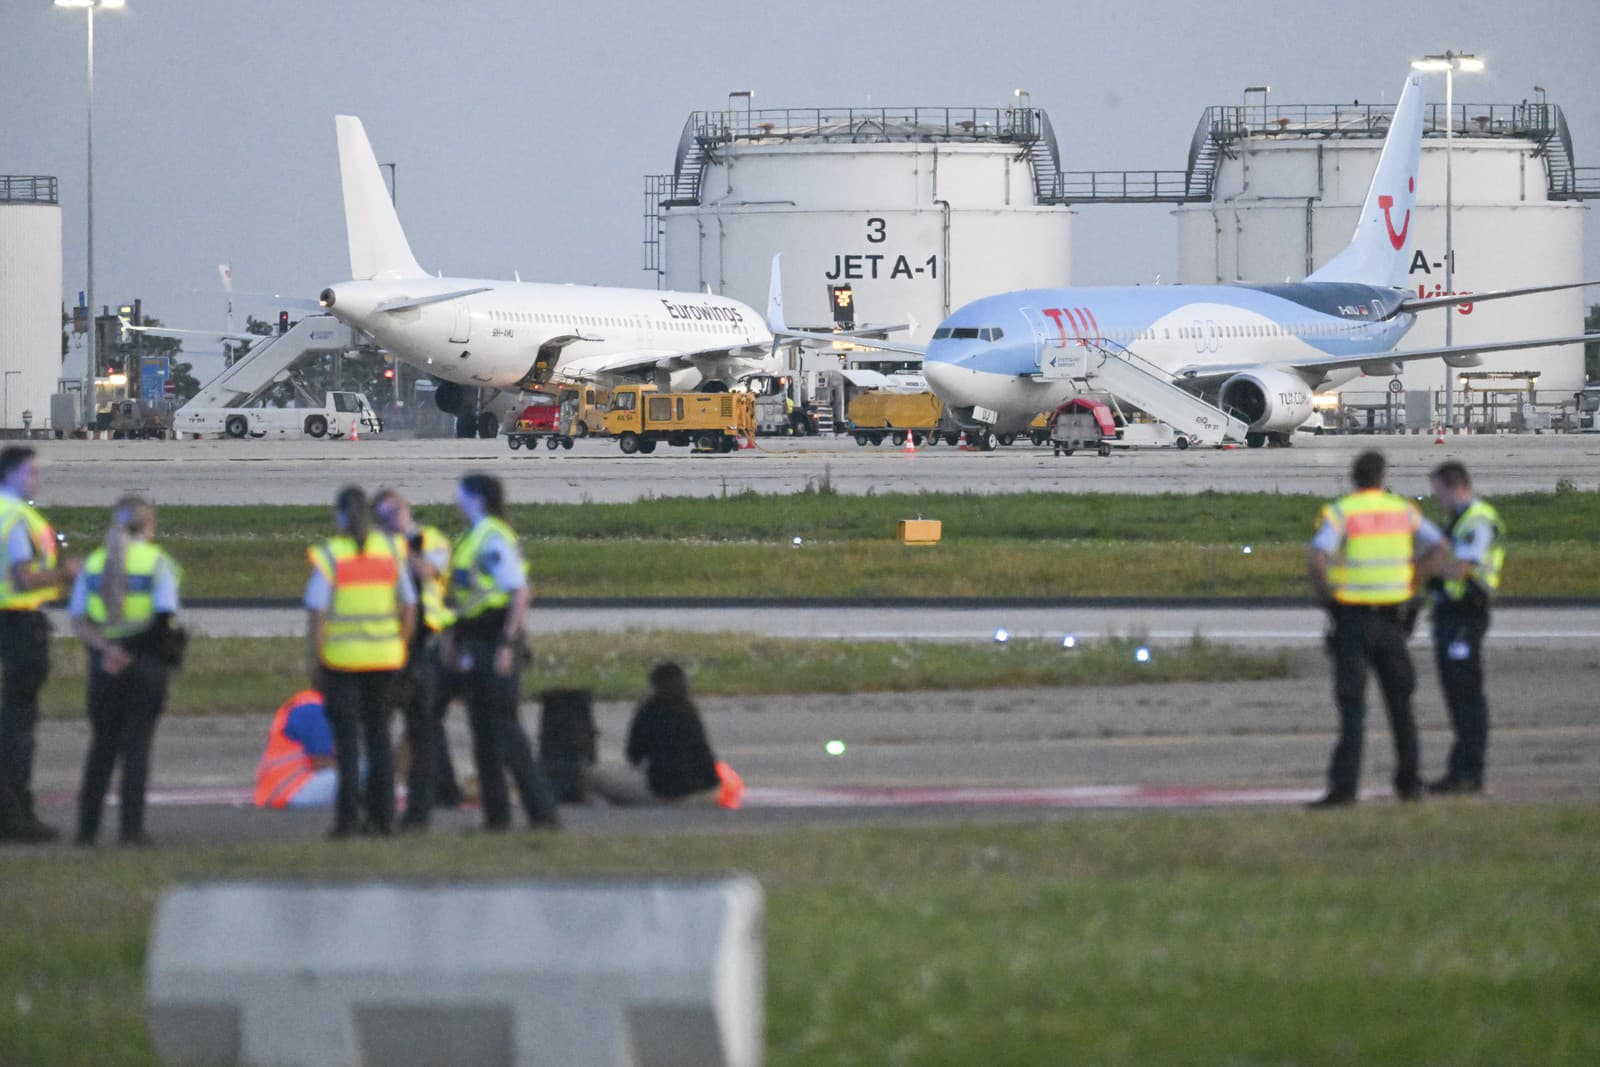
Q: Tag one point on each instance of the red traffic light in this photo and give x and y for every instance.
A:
(388, 373)
(283, 322)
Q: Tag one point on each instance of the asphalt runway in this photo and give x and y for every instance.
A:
(311, 472)
(1257, 627)
(982, 756)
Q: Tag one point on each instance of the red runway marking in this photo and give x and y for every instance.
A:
(867, 796)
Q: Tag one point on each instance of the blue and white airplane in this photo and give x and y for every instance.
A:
(1257, 352)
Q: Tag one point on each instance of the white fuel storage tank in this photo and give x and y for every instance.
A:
(1287, 183)
(918, 210)
(30, 298)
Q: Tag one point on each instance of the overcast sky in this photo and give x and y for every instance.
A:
(522, 130)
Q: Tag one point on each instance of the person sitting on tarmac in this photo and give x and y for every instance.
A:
(298, 768)
(669, 758)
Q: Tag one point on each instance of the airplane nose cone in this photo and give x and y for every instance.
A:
(949, 381)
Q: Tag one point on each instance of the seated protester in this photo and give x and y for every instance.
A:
(669, 758)
(297, 770)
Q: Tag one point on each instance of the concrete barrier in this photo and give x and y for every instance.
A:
(643, 974)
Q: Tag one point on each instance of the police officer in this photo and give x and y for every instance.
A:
(122, 609)
(1462, 590)
(362, 605)
(423, 694)
(30, 576)
(1363, 569)
(489, 593)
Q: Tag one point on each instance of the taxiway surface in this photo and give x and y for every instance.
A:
(311, 472)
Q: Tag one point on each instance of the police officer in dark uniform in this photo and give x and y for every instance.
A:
(1363, 568)
(489, 594)
(1462, 589)
(122, 608)
(31, 575)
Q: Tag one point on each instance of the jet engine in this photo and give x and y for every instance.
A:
(450, 397)
(1270, 400)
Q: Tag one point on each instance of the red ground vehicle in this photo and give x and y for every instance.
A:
(1082, 423)
(541, 418)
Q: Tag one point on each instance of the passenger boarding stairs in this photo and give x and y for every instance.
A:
(272, 359)
(1105, 366)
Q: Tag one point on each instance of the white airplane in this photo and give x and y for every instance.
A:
(470, 333)
(1256, 352)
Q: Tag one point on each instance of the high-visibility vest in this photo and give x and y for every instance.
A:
(13, 511)
(285, 767)
(362, 628)
(1374, 563)
(143, 562)
(473, 589)
(436, 614)
(1485, 574)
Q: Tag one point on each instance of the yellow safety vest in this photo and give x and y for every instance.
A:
(144, 561)
(473, 589)
(13, 511)
(362, 630)
(1374, 563)
(436, 614)
(1485, 574)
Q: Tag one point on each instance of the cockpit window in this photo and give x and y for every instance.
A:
(942, 333)
(991, 333)
(965, 333)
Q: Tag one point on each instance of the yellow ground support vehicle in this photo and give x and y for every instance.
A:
(640, 418)
(583, 410)
(876, 416)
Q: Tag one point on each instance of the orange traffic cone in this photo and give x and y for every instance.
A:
(749, 441)
(354, 425)
(962, 443)
(911, 445)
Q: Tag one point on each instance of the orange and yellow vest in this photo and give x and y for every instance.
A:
(13, 511)
(1375, 562)
(362, 629)
(284, 767)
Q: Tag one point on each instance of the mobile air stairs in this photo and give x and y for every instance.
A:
(1104, 366)
(271, 359)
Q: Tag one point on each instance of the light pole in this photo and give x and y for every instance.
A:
(5, 419)
(1448, 63)
(92, 359)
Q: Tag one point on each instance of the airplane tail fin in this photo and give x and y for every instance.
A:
(378, 246)
(1378, 253)
(775, 322)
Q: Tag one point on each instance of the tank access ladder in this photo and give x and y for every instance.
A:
(1103, 366)
(270, 360)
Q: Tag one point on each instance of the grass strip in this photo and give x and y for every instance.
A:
(1449, 933)
(1018, 545)
(239, 675)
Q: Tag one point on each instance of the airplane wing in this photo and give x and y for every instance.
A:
(1378, 362)
(855, 337)
(220, 335)
(1424, 303)
(780, 330)
(632, 362)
